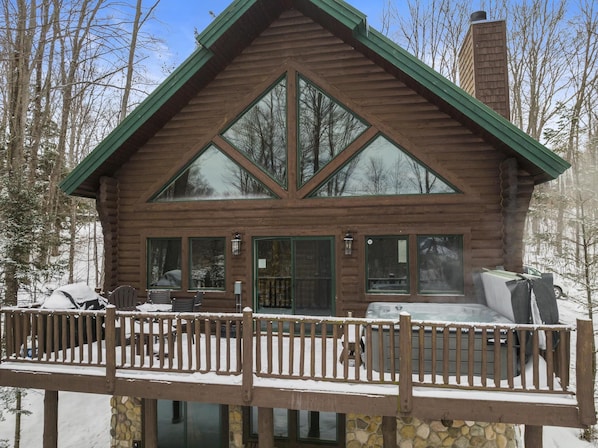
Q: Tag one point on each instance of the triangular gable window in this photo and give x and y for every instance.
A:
(213, 176)
(261, 133)
(325, 129)
(382, 168)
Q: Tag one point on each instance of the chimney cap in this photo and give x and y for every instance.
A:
(478, 16)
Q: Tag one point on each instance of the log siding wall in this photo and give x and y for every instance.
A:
(295, 43)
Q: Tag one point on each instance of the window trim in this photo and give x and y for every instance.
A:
(462, 259)
(367, 258)
(225, 253)
(414, 291)
(148, 275)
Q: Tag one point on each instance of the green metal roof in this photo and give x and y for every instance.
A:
(354, 21)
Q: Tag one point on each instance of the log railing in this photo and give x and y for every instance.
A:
(527, 358)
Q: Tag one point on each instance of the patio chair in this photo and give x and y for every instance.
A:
(123, 297)
(161, 296)
(184, 305)
(197, 301)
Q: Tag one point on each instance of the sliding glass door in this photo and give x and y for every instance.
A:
(294, 276)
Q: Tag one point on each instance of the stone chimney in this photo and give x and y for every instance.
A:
(483, 70)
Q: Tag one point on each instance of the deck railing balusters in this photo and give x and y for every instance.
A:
(549, 359)
(536, 358)
(493, 357)
(497, 358)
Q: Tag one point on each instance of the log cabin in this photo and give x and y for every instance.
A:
(299, 170)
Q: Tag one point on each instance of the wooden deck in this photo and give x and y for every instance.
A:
(301, 362)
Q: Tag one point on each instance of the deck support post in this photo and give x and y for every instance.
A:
(247, 385)
(405, 368)
(389, 430)
(50, 419)
(149, 422)
(533, 436)
(584, 372)
(265, 427)
(110, 335)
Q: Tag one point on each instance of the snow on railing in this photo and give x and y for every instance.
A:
(478, 356)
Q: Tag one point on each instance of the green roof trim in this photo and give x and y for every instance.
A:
(354, 20)
(135, 119)
(225, 19)
(343, 12)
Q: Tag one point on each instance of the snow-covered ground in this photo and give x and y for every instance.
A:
(84, 419)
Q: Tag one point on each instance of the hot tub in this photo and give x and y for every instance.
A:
(441, 313)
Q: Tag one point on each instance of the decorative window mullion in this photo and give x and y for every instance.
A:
(292, 135)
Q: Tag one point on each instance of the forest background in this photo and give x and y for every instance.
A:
(71, 70)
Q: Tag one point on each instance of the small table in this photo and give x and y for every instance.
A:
(145, 327)
(154, 307)
(349, 344)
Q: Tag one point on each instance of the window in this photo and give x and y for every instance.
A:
(164, 263)
(261, 133)
(308, 429)
(184, 424)
(387, 264)
(383, 168)
(213, 176)
(325, 128)
(439, 260)
(206, 263)
(440, 264)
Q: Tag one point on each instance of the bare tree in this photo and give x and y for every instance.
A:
(432, 31)
(140, 18)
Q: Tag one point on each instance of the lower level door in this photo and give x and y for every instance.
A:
(186, 424)
(294, 276)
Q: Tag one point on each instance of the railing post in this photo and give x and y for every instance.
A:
(248, 367)
(405, 368)
(584, 372)
(8, 334)
(110, 335)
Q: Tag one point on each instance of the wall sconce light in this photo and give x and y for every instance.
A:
(236, 243)
(348, 243)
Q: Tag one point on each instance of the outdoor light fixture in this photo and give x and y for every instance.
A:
(348, 243)
(236, 244)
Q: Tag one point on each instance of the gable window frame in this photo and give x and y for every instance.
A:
(357, 119)
(355, 159)
(284, 182)
(211, 147)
